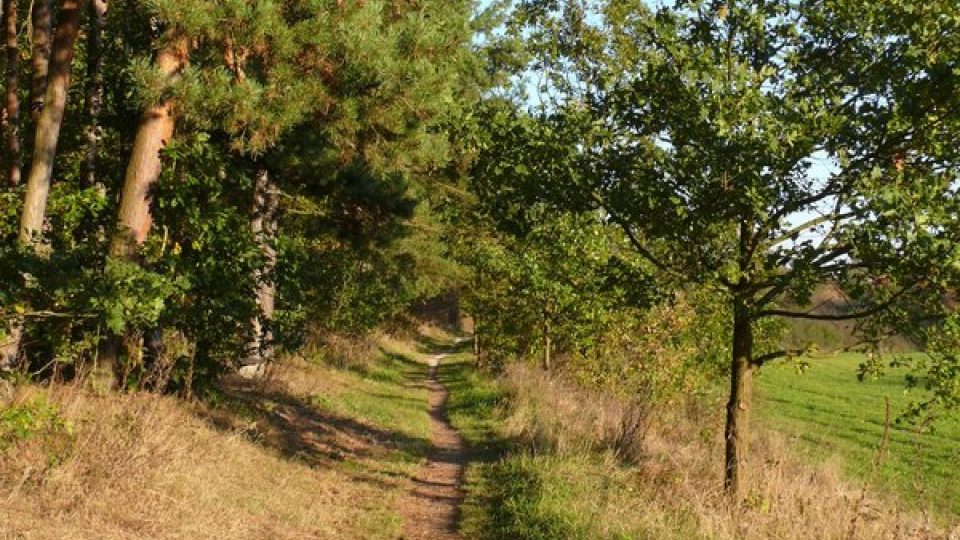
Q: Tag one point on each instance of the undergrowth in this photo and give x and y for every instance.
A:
(561, 475)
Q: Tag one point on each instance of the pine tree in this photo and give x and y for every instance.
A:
(50, 122)
(11, 113)
(42, 39)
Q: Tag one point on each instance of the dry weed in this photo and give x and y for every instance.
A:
(145, 466)
(672, 489)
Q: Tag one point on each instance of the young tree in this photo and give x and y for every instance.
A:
(50, 122)
(11, 112)
(94, 92)
(750, 147)
(42, 39)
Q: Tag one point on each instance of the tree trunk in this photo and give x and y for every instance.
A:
(547, 345)
(10, 345)
(738, 407)
(10, 342)
(263, 223)
(11, 113)
(143, 169)
(94, 97)
(45, 146)
(48, 126)
(476, 341)
(42, 20)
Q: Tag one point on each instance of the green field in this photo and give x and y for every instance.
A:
(830, 413)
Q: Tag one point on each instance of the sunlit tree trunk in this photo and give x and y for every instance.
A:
(94, 94)
(11, 112)
(143, 169)
(45, 145)
(49, 124)
(42, 20)
(263, 223)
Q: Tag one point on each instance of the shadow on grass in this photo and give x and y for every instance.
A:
(295, 429)
(505, 504)
(429, 345)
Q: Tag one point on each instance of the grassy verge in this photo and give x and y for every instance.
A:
(571, 466)
(829, 413)
(518, 493)
(315, 452)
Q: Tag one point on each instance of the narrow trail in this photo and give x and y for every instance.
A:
(433, 511)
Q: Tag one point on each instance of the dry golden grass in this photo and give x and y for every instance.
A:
(671, 486)
(259, 465)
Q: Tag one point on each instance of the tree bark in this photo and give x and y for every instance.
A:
(10, 342)
(10, 345)
(547, 345)
(263, 223)
(143, 169)
(94, 94)
(476, 341)
(42, 20)
(48, 126)
(11, 112)
(738, 407)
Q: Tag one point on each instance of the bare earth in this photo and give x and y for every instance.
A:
(432, 512)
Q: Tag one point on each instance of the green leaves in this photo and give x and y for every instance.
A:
(128, 297)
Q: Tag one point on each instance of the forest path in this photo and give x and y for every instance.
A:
(433, 509)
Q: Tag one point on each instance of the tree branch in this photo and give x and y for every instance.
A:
(787, 235)
(840, 317)
(637, 244)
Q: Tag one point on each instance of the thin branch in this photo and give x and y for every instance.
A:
(840, 317)
(637, 244)
(776, 355)
(833, 216)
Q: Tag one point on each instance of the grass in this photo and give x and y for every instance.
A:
(829, 413)
(561, 473)
(514, 492)
(314, 452)
(383, 395)
(324, 452)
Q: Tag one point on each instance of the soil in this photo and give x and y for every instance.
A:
(432, 510)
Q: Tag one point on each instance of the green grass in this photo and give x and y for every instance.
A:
(387, 394)
(474, 404)
(830, 413)
(513, 495)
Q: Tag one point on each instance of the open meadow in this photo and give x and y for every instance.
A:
(832, 416)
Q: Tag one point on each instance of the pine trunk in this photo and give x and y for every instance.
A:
(263, 223)
(10, 345)
(547, 346)
(42, 20)
(49, 123)
(10, 340)
(94, 97)
(143, 169)
(11, 112)
(738, 407)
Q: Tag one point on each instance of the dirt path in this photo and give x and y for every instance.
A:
(433, 509)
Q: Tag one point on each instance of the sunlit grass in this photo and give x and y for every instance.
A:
(830, 413)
